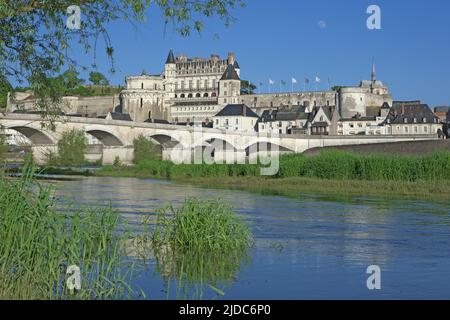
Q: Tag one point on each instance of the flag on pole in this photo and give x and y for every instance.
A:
(283, 82)
(306, 80)
(294, 81)
(317, 79)
(271, 82)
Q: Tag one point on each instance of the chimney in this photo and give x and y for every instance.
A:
(230, 58)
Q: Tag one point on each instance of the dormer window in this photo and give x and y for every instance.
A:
(405, 120)
(424, 120)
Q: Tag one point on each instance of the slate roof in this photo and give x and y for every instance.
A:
(236, 65)
(235, 110)
(170, 58)
(442, 109)
(120, 116)
(411, 111)
(230, 74)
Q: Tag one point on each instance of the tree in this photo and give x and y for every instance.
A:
(34, 37)
(98, 79)
(247, 87)
(70, 79)
(5, 87)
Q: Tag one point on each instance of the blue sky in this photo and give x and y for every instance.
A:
(282, 39)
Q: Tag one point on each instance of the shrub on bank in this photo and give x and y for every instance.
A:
(145, 149)
(71, 149)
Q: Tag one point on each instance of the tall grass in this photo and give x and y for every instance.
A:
(38, 243)
(209, 226)
(331, 165)
(347, 166)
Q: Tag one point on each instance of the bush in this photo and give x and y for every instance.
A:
(71, 149)
(145, 149)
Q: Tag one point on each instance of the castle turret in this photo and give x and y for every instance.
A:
(229, 86)
(170, 69)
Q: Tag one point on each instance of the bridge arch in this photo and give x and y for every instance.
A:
(266, 146)
(219, 142)
(165, 141)
(106, 137)
(36, 136)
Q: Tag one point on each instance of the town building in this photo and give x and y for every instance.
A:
(441, 113)
(236, 117)
(411, 118)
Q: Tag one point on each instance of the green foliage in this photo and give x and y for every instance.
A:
(5, 87)
(247, 87)
(98, 79)
(71, 149)
(38, 242)
(336, 165)
(145, 149)
(201, 226)
(331, 165)
(2, 147)
(117, 162)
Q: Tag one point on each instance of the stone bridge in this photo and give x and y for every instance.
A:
(179, 143)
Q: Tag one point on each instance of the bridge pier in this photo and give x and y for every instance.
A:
(41, 153)
(124, 154)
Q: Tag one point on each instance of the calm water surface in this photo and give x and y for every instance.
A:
(306, 248)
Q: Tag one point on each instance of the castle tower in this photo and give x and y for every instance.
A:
(170, 69)
(229, 86)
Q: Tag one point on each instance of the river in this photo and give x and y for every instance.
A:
(311, 247)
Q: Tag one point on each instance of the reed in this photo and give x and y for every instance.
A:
(203, 226)
(38, 242)
(200, 245)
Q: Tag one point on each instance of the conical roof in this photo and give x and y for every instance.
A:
(230, 74)
(170, 58)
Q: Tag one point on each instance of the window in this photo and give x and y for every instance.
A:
(217, 121)
(405, 120)
(142, 102)
(425, 129)
(406, 129)
(226, 121)
(142, 85)
(237, 121)
(424, 120)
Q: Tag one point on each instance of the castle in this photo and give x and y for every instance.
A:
(188, 90)
(191, 90)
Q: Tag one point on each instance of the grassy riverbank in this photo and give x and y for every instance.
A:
(333, 173)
